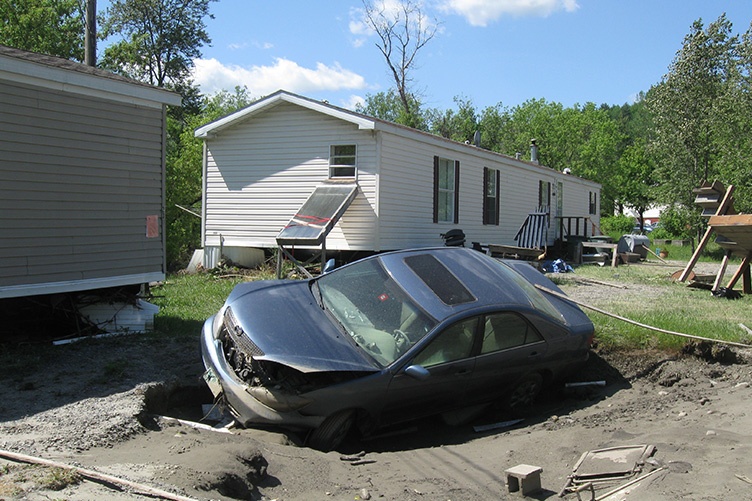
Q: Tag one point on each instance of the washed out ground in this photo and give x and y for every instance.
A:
(99, 405)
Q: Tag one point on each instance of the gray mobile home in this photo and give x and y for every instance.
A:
(82, 177)
(263, 163)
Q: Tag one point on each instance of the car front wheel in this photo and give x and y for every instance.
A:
(332, 431)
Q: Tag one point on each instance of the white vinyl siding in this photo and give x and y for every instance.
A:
(261, 171)
(78, 177)
(263, 163)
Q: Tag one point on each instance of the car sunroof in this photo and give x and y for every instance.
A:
(439, 279)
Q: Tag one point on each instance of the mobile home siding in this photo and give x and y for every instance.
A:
(261, 171)
(262, 162)
(406, 193)
(78, 177)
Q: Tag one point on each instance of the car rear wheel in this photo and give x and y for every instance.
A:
(332, 431)
(525, 392)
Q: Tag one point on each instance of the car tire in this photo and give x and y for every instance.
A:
(332, 432)
(524, 393)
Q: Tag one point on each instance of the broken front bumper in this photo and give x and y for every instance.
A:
(234, 393)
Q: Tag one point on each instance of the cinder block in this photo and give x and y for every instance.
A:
(525, 478)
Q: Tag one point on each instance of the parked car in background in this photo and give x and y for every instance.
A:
(388, 339)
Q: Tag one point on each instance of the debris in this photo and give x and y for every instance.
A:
(746, 329)
(608, 465)
(96, 476)
(364, 494)
(744, 478)
(727, 293)
(496, 426)
(354, 457)
(524, 478)
(585, 383)
(628, 484)
(193, 424)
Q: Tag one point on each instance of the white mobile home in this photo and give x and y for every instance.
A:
(262, 164)
(81, 177)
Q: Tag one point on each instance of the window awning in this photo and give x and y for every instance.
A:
(318, 214)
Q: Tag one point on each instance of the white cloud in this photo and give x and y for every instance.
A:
(481, 12)
(354, 100)
(212, 76)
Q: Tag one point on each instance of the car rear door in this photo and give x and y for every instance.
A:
(510, 348)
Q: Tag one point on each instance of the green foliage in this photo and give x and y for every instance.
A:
(617, 225)
(678, 221)
(388, 106)
(54, 27)
(159, 39)
(701, 110)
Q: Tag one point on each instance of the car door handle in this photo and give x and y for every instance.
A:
(533, 354)
(462, 372)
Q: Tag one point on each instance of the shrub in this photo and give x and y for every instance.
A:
(678, 221)
(617, 225)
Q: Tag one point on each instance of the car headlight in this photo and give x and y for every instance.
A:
(278, 400)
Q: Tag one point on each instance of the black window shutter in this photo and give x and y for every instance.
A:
(435, 189)
(498, 195)
(456, 192)
(485, 197)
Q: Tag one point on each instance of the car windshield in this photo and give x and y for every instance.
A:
(373, 309)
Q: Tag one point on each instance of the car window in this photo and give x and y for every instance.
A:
(454, 343)
(535, 296)
(507, 330)
(373, 309)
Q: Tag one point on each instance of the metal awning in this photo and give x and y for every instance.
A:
(318, 215)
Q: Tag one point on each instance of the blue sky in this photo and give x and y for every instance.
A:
(487, 51)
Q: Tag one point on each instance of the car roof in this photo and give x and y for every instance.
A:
(486, 279)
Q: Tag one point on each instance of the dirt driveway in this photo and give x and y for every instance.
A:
(97, 406)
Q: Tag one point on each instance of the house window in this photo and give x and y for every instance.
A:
(491, 196)
(593, 207)
(544, 195)
(342, 160)
(446, 184)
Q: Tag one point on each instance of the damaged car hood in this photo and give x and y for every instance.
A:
(287, 325)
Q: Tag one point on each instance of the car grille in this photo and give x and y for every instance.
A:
(238, 337)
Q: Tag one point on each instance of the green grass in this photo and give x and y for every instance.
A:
(652, 298)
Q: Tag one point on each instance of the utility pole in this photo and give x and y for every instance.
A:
(90, 38)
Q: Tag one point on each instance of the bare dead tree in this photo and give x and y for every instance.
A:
(403, 30)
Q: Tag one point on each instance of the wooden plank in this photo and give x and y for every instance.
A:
(727, 199)
(600, 245)
(721, 221)
(721, 272)
(744, 267)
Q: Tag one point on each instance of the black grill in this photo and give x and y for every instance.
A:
(238, 336)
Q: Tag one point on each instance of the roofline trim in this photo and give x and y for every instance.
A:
(42, 75)
(278, 97)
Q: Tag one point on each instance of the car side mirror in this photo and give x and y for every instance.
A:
(418, 372)
(329, 266)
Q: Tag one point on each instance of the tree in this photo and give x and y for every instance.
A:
(388, 106)
(460, 125)
(53, 27)
(160, 39)
(690, 106)
(403, 31)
